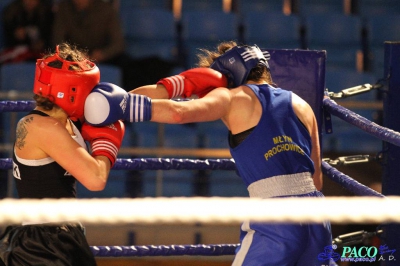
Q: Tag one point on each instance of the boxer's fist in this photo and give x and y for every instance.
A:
(197, 81)
(108, 103)
(104, 140)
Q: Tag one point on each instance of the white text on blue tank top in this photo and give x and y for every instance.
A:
(282, 143)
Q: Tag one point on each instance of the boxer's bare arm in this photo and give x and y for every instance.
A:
(306, 115)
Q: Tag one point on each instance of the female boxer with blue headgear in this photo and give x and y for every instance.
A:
(50, 154)
(273, 138)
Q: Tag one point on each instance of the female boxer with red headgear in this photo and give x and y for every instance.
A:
(50, 154)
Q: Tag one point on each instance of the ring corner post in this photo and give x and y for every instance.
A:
(391, 166)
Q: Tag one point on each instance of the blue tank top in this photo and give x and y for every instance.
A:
(279, 144)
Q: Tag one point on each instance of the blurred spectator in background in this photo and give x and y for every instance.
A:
(27, 30)
(95, 25)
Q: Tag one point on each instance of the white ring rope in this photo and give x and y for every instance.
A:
(201, 209)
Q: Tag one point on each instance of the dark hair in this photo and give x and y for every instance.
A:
(43, 102)
(207, 57)
(68, 52)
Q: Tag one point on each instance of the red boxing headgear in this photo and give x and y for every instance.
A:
(68, 86)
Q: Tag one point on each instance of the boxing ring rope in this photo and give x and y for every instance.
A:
(16, 106)
(347, 182)
(208, 210)
(333, 108)
(173, 250)
(219, 164)
(361, 122)
(204, 210)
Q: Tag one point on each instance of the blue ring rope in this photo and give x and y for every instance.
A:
(173, 250)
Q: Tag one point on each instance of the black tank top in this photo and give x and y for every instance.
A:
(42, 178)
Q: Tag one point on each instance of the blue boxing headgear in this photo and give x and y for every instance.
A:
(237, 62)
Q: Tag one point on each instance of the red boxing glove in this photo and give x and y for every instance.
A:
(197, 81)
(104, 140)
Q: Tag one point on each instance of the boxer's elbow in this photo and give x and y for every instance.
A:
(96, 182)
(99, 185)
